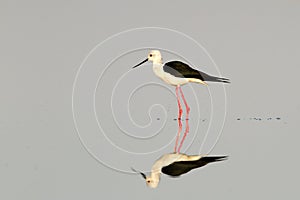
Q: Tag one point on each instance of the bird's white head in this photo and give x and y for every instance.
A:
(155, 56)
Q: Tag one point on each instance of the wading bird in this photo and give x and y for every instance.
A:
(178, 73)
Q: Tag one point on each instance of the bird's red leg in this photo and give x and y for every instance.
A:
(185, 103)
(179, 118)
(187, 127)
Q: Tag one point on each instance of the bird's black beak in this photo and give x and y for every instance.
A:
(143, 175)
(140, 63)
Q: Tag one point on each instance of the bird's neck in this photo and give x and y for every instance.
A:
(158, 69)
(159, 61)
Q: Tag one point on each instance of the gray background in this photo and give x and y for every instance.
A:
(254, 43)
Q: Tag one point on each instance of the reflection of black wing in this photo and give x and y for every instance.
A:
(182, 167)
(182, 70)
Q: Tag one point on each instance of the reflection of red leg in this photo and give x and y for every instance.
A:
(187, 127)
(179, 118)
(185, 103)
(178, 135)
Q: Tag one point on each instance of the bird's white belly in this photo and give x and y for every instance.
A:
(168, 78)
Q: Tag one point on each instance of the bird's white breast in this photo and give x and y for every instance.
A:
(168, 78)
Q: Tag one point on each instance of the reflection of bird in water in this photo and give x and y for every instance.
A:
(178, 73)
(175, 164)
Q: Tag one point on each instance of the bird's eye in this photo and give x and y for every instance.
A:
(148, 181)
(150, 55)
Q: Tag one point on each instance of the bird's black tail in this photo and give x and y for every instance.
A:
(207, 77)
(217, 79)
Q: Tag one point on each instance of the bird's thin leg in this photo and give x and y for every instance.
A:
(179, 118)
(187, 127)
(178, 101)
(185, 103)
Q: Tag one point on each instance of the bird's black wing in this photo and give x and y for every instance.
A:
(182, 70)
(181, 167)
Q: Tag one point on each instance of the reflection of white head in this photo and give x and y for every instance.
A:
(153, 180)
(155, 56)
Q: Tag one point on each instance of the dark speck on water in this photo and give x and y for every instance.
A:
(158, 118)
(259, 118)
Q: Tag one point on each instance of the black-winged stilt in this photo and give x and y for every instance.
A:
(178, 73)
(175, 164)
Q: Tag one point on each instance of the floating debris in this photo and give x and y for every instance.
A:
(258, 118)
